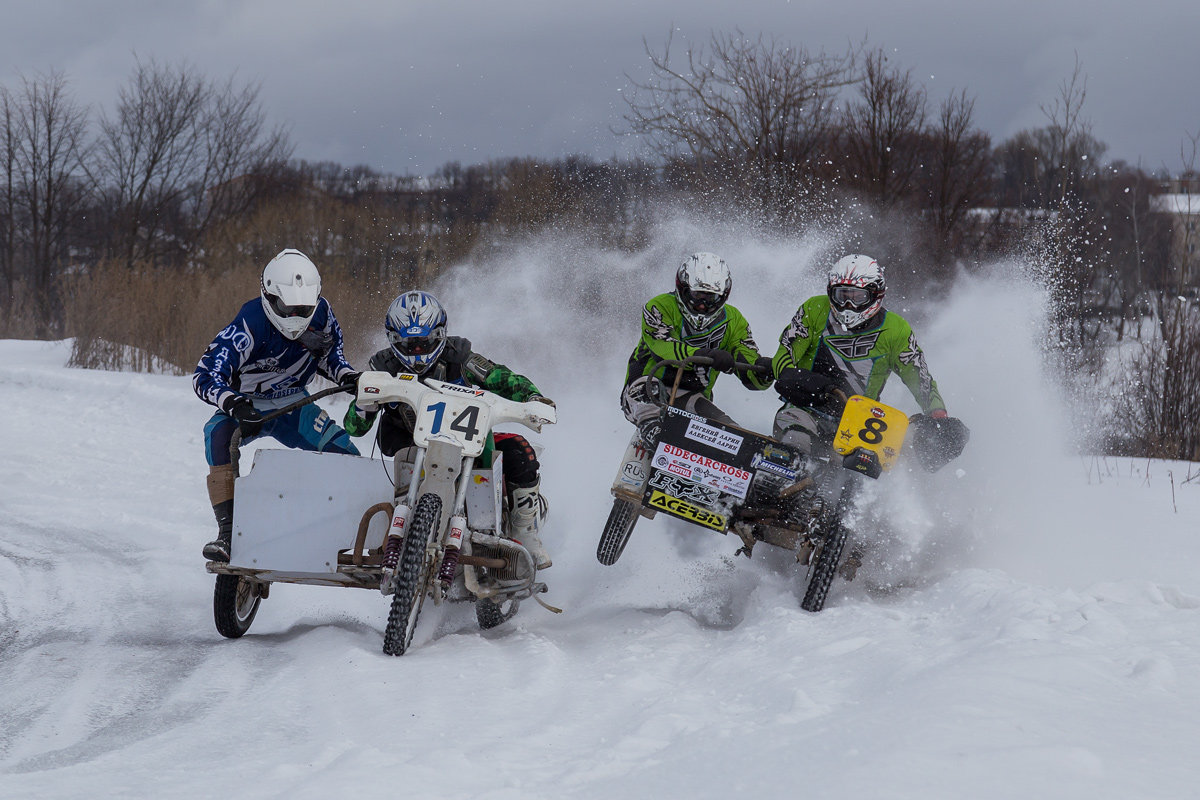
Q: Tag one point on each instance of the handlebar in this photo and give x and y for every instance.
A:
(235, 441)
(699, 361)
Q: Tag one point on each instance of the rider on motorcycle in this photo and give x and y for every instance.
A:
(416, 330)
(262, 361)
(694, 320)
(846, 340)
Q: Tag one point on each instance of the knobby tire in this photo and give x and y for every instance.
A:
(412, 575)
(826, 566)
(617, 530)
(490, 614)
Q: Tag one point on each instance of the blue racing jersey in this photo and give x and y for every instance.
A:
(251, 357)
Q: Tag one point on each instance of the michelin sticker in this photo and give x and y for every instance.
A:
(702, 469)
(761, 463)
(713, 437)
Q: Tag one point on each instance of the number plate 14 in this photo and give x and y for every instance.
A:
(460, 420)
(871, 425)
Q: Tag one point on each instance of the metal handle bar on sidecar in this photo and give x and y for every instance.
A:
(235, 441)
(699, 361)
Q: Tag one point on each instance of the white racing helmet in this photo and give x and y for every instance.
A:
(291, 288)
(856, 289)
(702, 286)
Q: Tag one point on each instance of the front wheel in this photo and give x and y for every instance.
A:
(235, 602)
(826, 567)
(412, 575)
(617, 530)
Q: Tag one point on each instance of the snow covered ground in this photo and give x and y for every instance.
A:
(1028, 626)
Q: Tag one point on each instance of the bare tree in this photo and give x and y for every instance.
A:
(882, 131)
(150, 152)
(752, 110)
(1068, 142)
(49, 182)
(179, 152)
(8, 197)
(958, 164)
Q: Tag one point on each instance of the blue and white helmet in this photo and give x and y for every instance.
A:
(416, 329)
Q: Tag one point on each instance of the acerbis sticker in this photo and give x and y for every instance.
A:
(702, 469)
(685, 510)
(714, 437)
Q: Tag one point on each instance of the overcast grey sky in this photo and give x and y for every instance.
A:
(407, 86)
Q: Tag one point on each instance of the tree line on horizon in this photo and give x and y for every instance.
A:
(164, 195)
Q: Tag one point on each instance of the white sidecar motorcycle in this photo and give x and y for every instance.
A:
(434, 529)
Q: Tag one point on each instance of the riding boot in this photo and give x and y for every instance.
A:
(525, 519)
(218, 549)
(220, 494)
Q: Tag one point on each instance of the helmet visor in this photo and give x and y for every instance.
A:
(284, 310)
(856, 297)
(417, 344)
(702, 302)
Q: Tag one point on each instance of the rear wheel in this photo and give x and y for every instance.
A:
(235, 602)
(617, 530)
(412, 575)
(490, 613)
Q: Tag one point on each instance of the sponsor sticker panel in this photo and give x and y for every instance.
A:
(701, 469)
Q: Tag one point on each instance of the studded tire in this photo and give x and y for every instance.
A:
(826, 565)
(412, 576)
(491, 614)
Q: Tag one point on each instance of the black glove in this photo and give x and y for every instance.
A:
(936, 442)
(249, 421)
(458, 350)
(317, 343)
(722, 360)
(350, 380)
(802, 387)
(763, 365)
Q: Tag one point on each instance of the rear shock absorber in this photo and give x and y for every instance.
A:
(458, 524)
(395, 543)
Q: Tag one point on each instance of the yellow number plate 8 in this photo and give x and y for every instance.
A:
(871, 425)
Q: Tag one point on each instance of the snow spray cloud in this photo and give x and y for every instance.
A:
(567, 313)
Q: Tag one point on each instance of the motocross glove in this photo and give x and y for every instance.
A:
(457, 351)
(763, 365)
(317, 343)
(249, 421)
(936, 441)
(350, 380)
(722, 360)
(802, 387)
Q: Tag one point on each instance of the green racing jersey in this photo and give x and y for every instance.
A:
(664, 337)
(860, 361)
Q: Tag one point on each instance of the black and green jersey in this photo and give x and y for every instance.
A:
(664, 335)
(475, 371)
(860, 361)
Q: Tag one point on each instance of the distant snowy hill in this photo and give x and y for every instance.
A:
(1027, 624)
